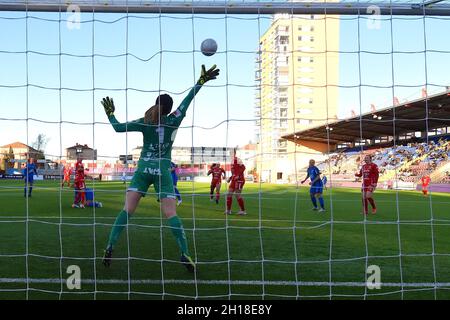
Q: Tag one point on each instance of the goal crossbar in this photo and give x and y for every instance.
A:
(230, 7)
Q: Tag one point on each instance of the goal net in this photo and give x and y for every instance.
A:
(332, 81)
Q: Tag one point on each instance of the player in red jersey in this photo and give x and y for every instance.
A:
(237, 181)
(425, 183)
(67, 171)
(80, 185)
(369, 173)
(217, 175)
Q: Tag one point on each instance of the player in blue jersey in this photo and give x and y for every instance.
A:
(174, 174)
(28, 174)
(316, 190)
(89, 199)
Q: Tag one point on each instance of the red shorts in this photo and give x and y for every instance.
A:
(236, 185)
(79, 185)
(66, 178)
(424, 187)
(367, 188)
(215, 183)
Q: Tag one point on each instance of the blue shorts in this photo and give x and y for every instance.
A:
(316, 189)
(89, 194)
(30, 179)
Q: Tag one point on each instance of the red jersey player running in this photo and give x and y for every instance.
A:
(67, 171)
(369, 173)
(217, 175)
(425, 183)
(237, 181)
(79, 184)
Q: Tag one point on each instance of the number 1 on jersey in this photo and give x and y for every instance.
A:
(160, 132)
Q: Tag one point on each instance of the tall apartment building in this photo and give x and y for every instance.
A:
(297, 76)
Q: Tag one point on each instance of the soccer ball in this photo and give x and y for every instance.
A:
(208, 47)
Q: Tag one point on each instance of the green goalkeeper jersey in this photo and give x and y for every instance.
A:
(158, 139)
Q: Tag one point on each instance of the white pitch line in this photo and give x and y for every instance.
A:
(226, 282)
(151, 218)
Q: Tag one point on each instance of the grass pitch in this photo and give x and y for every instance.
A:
(280, 250)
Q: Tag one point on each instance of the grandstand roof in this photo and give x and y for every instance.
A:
(410, 116)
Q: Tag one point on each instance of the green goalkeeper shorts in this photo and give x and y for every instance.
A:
(151, 173)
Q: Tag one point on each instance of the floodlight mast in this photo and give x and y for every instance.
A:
(431, 8)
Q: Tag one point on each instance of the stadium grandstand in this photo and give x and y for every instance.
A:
(407, 141)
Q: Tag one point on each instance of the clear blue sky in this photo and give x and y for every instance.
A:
(237, 37)
(407, 70)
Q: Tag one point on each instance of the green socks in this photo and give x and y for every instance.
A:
(178, 232)
(174, 222)
(119, 225)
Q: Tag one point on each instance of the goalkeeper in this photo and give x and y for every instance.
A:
(158, 128)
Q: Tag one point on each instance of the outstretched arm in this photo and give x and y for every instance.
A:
(136, 125)
(206, 75)
(182, 108)
(108, 105)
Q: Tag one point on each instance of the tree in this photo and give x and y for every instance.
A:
(10, 158)
(41, 142)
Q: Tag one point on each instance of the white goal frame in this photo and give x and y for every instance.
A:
(343, 7)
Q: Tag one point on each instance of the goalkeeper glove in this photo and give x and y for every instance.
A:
(108, 105)
(205, 76)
